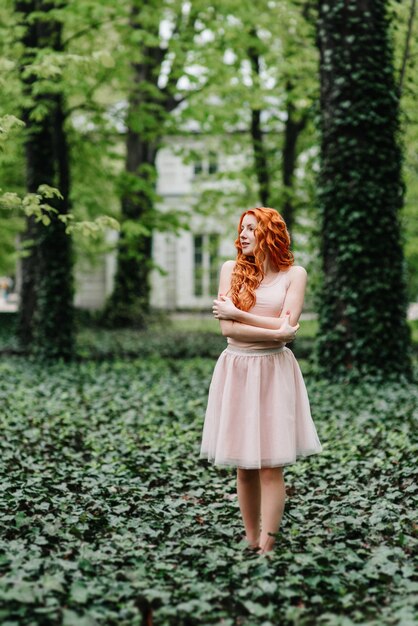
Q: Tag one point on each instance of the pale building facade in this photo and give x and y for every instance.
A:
(188, 262)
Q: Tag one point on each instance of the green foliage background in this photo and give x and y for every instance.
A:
(94, 77)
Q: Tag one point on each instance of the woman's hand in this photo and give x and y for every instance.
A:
(286, 333)
(224, 308)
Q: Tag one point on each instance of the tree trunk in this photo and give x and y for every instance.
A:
(293, 128)
(129, 303)
(28, 269)
(148, 107)
(363, 302)
(260, 156)
(46, 312)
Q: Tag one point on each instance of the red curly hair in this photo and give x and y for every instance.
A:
(272, 239)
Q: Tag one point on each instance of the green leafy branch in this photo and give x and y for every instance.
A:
(35, 205)
(8, 123)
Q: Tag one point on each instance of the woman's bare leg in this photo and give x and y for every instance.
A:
(249, 498)
(273, 496)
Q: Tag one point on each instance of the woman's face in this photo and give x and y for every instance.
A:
(247, 234)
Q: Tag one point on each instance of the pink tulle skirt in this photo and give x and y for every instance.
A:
(258, 412)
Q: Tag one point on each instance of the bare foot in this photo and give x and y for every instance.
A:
(267, 553)
(268, 546)
(252, 544)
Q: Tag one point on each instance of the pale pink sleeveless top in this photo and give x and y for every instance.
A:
(269, 303)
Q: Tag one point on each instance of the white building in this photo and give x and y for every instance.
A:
(188, 262)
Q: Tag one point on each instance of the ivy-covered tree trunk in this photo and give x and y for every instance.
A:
(149, 105)
(129, 302)
(46, 320)
(363, 300)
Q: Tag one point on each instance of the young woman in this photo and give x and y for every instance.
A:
(258, 415)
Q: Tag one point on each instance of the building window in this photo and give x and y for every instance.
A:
(212, 163)
(206, 261)
(207, 165)
(198, 167)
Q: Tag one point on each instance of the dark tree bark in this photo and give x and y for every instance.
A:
(129, 303)
(363, 302)
(148, 107)
(28, 270)
(260, 154)
(293, 127)
(46, 310)
(260, 159)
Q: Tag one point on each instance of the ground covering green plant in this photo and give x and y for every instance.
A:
(108, 517)
(179, 339)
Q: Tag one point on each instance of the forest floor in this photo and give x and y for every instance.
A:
(109, 518)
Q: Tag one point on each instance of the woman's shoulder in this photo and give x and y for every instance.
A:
(297, 273)
(297, 270)
(228, 267)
